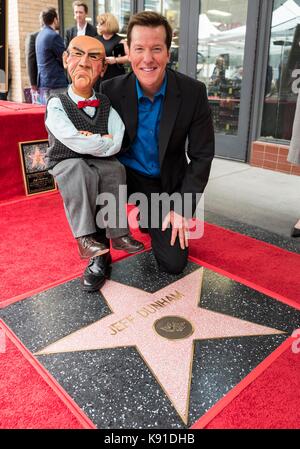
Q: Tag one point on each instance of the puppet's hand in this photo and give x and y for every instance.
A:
(86, 133)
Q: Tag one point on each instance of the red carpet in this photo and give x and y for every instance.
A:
(271, 401)
(38, 250)
(19, 123)
(29, 396)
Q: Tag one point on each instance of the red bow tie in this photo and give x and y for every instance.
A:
(85, 103)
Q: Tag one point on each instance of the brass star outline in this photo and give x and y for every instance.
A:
(145, 308)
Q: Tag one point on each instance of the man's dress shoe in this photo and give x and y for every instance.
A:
(127, 243)
(96, 273)
(89, 247)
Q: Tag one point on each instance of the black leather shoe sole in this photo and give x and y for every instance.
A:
(96, 273)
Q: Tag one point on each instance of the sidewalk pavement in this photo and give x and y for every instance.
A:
(261, 203)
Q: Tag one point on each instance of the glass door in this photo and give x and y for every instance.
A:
(225, 63)
(171, 10)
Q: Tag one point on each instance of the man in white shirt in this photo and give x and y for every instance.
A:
(82, 27)
(85, 133)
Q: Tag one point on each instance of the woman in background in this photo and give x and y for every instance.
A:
(115, 46)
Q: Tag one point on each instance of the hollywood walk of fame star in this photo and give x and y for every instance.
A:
(37, 159)
(133, 322)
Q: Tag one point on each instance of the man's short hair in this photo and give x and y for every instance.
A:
(111, 22)
(78, 3)
(150, 19)
(48, 15)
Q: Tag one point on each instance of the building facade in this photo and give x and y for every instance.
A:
(246, 52)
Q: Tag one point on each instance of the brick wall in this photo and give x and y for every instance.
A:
(273, 157)
(23, 18)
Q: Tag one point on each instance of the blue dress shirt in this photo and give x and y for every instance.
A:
(143, 155)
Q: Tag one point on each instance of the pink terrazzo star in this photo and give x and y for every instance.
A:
(131, 323)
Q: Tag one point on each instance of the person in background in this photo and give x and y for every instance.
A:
(30, 59)
(294, 154)
(115, 46)
(238, 74)
(4, 95)
(49, 47)
(82, 27)
(163, 110)
(219, 71)
(85, 134)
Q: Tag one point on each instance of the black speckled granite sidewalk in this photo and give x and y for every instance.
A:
(116, 387)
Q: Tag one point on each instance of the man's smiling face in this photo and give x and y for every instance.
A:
(149, 56)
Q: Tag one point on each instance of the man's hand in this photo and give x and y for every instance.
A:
(179, 228)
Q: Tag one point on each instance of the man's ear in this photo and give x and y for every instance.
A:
(64, 58)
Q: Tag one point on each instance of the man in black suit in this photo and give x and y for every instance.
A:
(161, 110)
(82, 27)
(30, 57)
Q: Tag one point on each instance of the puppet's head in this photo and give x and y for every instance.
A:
(85, 62)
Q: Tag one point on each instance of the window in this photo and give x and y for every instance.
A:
(171, 10)
(283, 71)
(220, 59)
(119, 8)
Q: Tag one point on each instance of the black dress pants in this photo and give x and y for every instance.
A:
(171, 259)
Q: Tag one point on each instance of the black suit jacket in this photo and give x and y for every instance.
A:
(186, 117)
(72, 32)
(30, 57)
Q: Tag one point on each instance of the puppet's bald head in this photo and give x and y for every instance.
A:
(85, 62)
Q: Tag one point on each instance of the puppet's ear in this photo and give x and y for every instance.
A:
(104, 68)
(64, 58)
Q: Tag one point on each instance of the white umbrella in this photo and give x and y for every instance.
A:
(287, 16)
(206, 29)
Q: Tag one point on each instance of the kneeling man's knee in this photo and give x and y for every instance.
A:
(174, 265)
